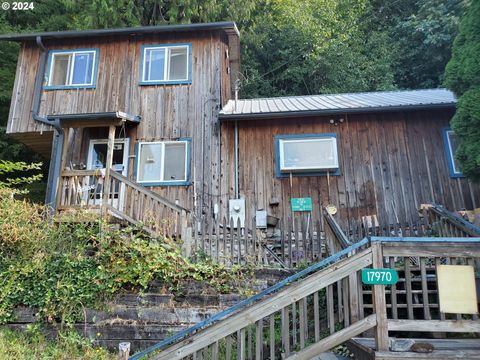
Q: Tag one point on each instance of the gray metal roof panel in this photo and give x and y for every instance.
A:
(338, 103)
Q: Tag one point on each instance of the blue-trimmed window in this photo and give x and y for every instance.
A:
(163, 162)
(72, 69)
(306, 154)
(451, 144)
(166, 64)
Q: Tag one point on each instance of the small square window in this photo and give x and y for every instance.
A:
(309, 154)
(163, 163)
(74, 68)
(451, 145)
(165, 64)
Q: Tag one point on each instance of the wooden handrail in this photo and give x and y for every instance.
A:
(80, 173)
(258, 311)
(337, 231)
(234, 323)
(455, 220)
(147, 192)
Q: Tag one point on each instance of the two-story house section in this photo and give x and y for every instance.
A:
(154, 92)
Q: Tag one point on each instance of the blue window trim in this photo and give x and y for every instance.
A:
(450, 155)
(279, 174)
(63, 87)
(166, 82)
(187, 182)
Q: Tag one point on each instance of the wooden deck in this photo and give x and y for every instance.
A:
(364, 349)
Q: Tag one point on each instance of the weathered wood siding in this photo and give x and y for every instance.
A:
(389, 162)
(167, 111)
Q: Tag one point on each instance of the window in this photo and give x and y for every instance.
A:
(451, 144)
(72, 68)
(163, 162)
(165, 64)
(306, 154)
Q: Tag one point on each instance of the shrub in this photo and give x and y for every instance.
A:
(62, 268)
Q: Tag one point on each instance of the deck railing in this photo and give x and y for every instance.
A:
(80, 189)
(321, 307)
(292, 243)
(447, 224)
(126, 200)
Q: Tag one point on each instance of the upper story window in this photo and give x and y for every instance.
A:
(165, 64)
(306, 154)
(72, 69)
(451, 145)
(163, 162)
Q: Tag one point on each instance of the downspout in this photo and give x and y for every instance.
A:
(58, 138)
(237, 192)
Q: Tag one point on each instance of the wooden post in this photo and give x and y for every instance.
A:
(380, 306)
(123, 350)
(62, 165)
(108, 168)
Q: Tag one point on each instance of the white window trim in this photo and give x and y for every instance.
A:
(71, 67)
(162, 161)
(284, 168)
(166, 67)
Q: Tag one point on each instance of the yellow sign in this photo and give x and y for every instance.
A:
(456, 289)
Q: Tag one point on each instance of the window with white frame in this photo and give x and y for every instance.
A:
(451, 145)
(165, 63)
(163, 162)
(307, 153)
(74, 68)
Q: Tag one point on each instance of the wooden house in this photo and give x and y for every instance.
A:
(144, 123)
(376, 155)
(155, 90)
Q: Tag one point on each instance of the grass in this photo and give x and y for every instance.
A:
(32, 345)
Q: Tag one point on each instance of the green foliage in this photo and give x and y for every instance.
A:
(316, 46)
(462, 75)
(466, 125)
(61, 270)
(423, 40)
(8, 167)
(463, 71)
(32, 344)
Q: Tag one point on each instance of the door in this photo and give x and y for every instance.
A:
(97, 157)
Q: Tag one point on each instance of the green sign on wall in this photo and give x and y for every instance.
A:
(379, 276)
(301, 204)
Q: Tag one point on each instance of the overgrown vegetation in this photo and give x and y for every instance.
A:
(463, 77)
(61, 269)
(32, 344)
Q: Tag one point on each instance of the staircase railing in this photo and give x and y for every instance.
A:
(324, 305)
(448, 224)
(334, 228)
(127, 200)
(288, 316)
(138, 205)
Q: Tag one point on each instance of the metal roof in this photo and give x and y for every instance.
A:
(311, 105)
(144, 30)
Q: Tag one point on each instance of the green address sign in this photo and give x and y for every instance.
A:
(379, 276)
(302, 204)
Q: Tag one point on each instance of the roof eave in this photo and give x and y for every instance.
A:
(306, 113)
(96, 119)
(144, 30)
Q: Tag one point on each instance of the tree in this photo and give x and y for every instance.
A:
(419, 36)
(18, 169)
(312, 47)
(462, 75)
